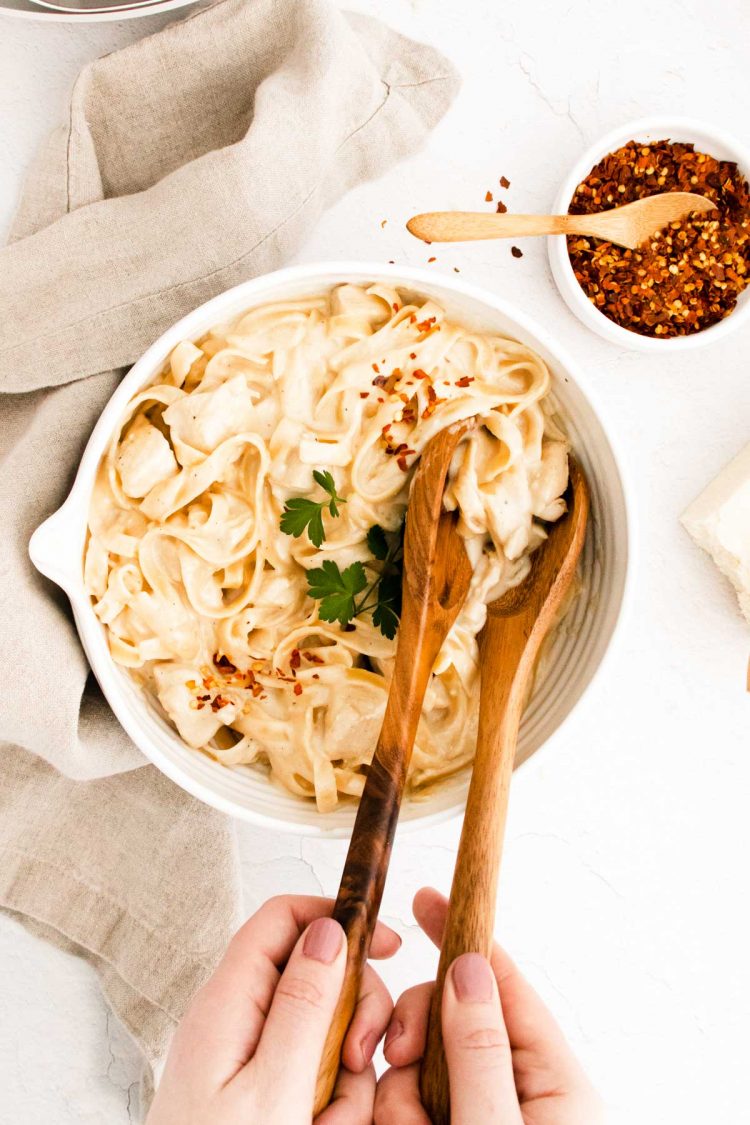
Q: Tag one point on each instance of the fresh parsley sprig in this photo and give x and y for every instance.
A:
(300, 513)
(337, 591)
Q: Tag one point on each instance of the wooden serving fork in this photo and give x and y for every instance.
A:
(517, 623)
(436, 580)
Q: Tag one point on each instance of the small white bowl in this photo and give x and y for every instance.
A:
(680, 129)
(576, 653)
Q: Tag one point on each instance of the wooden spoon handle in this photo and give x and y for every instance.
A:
(361, 890)
(470, 923)
(468, 226)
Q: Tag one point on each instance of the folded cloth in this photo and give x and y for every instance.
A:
(190, 161)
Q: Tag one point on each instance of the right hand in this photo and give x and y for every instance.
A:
(508, 1061)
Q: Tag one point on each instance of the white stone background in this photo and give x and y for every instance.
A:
(624, 886)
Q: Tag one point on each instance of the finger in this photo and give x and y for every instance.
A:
(222, 1026)
(352, 1101)
(288, 1055)
(477, 1049)
(407, 1032)
(541, 1055)
(369, 1021)
(397, 1098)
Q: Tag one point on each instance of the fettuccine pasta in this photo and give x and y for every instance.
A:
(205, 599)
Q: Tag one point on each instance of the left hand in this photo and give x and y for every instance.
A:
(249, 1046)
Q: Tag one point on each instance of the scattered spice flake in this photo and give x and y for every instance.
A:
(412, 355)
(383, 223)
(488, 197)
(219, 702)
(375, 368)
(297, 689)
(396, 306)
(418, 373)
(501, 208)
(690, 274)
(364, 394)
(504, 182)
(516, 252)
(313, 657)
(379, 381)
(456, 269)
(223, 663)
(295, 659)
(465, 381)
(431, 260)
(391, 261)
(315, 676)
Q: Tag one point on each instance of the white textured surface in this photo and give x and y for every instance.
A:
(624, 880)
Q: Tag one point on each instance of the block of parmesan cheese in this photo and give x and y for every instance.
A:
(719, 521)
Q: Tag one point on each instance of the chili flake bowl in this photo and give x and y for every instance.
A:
(706, 139)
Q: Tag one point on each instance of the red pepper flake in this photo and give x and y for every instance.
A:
(375, 368)
(297, 689)
(412, 355)
(687, 276)
(315, 676)
(504, 182)
(391, 261)
(426, 325)
(219, 702)
(383, 223)
(501, 208)
(516, 252)
(456, 269)
(418, 373)
(313, 657)
(396, 306)
(223, 663)
(431, 260)
(295, 659)
(465, 380)
(364, 394)
(432, 403)
(488, 197)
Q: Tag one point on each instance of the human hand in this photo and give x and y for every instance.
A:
(249, 1047)
(507, 1059)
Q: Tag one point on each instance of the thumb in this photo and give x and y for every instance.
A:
(477, 1049)
(286, 1062)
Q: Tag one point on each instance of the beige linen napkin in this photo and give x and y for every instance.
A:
(189, 162)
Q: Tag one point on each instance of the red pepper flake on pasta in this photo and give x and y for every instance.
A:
(297, 689)
(465, 381)
(295, 659)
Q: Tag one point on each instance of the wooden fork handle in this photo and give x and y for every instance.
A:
(470, 923)
(362, 882)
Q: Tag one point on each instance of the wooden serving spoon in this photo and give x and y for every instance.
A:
(436, 580)
(517, 623)
(630, 225)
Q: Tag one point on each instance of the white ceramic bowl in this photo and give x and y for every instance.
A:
(56, 549)
(706, 139)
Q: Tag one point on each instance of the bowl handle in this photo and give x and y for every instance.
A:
(55, 550)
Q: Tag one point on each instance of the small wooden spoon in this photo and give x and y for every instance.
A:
(630, 225)
(436, 580)
(517, 623)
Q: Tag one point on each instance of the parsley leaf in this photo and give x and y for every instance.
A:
(302, 514)
(387, 612)
(377, 542)
(336, 590)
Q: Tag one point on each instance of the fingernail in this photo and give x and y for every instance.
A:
(368, 1045)
(323, 940)
(472, 978)
(395, 1031)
